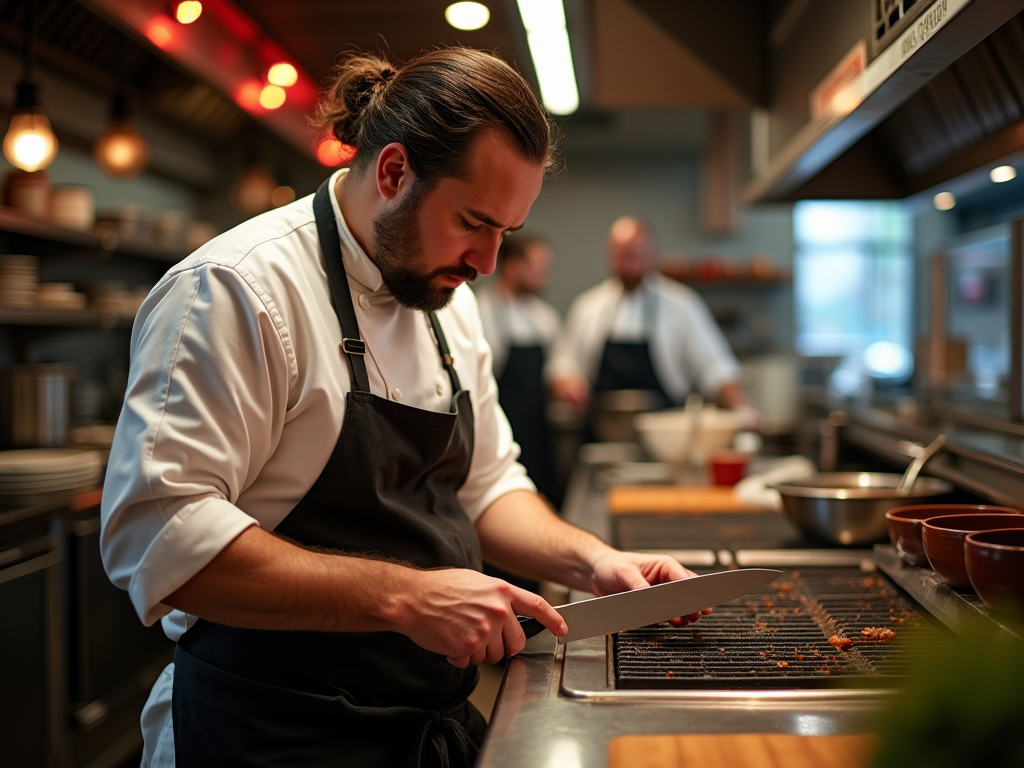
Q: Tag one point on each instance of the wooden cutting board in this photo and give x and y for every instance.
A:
(741, 750)
(678, 499)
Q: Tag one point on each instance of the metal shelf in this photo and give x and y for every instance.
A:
(63, 318)
(19, 223)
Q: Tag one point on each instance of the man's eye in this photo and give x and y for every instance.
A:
(471, 227)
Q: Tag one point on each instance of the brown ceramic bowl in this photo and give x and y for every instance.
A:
(944, 542)
(905, 525)
(995, 564)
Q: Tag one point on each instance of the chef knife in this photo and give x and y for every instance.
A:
(640, 607)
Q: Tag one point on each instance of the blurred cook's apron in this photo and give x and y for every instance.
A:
(247, 697)
(523, 397)
(628, 364)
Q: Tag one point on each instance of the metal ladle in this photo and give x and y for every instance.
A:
(907, 481)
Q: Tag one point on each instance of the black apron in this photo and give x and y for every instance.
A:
(628, 365)
(246, 697)
(523, 397)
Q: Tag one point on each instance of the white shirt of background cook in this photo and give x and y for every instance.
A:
(687, 347)
(236, 397)
(521, 321)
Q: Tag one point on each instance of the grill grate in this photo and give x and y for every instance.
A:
(740, 530)
(779, 636)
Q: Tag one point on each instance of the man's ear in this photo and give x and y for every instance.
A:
(393, 173)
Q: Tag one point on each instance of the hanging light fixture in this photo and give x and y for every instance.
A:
(120, 150)
(29, 144)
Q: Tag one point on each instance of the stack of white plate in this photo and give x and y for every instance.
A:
(110, 296)
(30, 475)
(19, 280)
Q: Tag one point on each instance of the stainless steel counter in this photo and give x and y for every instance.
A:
(537, 724)
(556, 708)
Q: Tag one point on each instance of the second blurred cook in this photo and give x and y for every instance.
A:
(639, 330)
(521, 327)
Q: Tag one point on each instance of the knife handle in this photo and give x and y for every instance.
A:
(530, 626)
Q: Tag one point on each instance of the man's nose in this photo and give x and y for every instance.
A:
(483, 257)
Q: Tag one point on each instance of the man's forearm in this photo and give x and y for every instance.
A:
(260, 581)
(521, 534)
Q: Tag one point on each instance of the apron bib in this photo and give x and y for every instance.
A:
(628, 365)
(272, 698)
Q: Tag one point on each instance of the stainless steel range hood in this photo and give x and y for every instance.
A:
(938, 92)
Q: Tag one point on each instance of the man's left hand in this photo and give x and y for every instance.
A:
(617, 571)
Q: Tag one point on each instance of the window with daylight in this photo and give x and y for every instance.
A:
(853, 280)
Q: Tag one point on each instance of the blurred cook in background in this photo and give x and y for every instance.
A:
(641, 330)
(521, 327)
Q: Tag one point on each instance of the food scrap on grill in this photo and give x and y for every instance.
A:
(782, 664)
(842, 643)
(877, 634)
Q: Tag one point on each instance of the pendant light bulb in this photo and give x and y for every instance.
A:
(120, 150)
(29, 144)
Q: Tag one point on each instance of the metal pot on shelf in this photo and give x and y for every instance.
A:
(36, 404)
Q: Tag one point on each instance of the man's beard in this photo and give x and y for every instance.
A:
(398, 252)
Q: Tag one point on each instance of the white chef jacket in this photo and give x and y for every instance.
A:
(235, 401)
(524, 320)
(687, 348)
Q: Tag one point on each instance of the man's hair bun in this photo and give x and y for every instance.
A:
(357, 80)
(435, 106)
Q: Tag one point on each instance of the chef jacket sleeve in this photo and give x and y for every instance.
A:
(494, 470)
(574, 350)
(205, 403)
(707, 358)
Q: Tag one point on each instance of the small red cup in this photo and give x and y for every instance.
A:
(728, 467)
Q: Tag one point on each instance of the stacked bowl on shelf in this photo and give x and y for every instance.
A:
(28, 476)
(19, 280)
(970, 547)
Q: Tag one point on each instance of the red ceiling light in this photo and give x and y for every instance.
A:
(331, 152)
(282, 74)
(272, 96)
(160, 31)
(248, 95)
(187, 11)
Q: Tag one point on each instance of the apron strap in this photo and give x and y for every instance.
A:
(446, 356)
(351, 343)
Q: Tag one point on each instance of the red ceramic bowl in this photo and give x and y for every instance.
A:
(995, 564)
(728, 467)
(944, 542)
(905, 525)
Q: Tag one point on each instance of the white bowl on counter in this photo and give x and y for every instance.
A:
(666, 435)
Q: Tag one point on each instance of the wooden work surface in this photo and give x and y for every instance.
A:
(680, 499)
(741, 750)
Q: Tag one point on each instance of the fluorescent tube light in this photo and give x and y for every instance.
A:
(548, 38)
(1003, 173)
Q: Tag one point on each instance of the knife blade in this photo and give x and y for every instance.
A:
(640, 607)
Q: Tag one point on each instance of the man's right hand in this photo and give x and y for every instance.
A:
(468, 617)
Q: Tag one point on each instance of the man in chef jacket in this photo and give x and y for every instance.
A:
(311, 457)
(520, 328)
(641, 330)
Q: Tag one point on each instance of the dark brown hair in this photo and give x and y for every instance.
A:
(435, 105)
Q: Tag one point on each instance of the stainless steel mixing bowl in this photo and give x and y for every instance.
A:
(849, 507)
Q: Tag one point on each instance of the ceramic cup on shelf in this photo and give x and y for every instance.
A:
(28, 192)
(73, 207)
